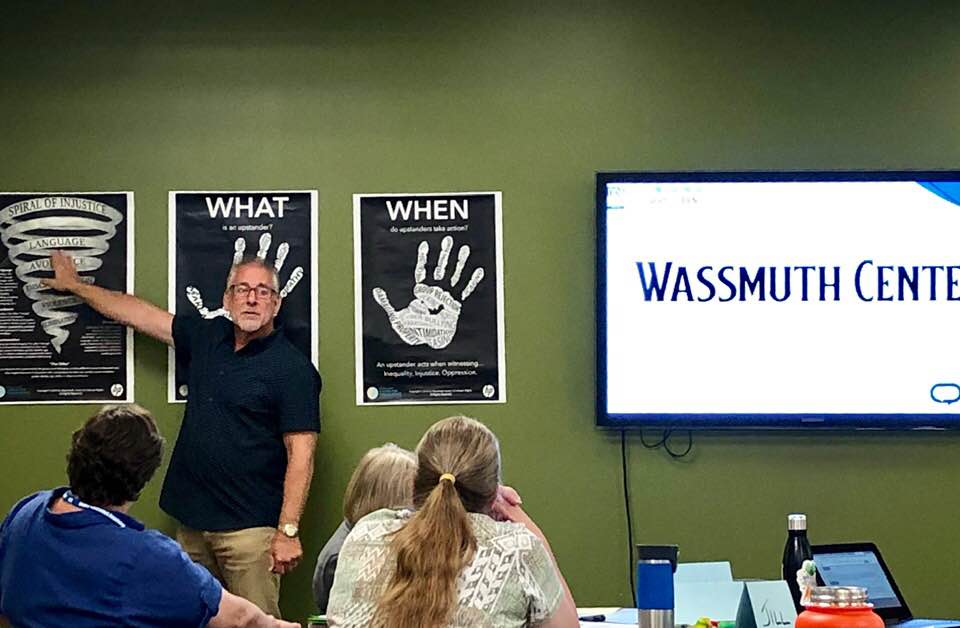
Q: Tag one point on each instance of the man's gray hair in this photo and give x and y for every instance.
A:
(253, 260)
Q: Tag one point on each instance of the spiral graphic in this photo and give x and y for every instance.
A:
(32, 228)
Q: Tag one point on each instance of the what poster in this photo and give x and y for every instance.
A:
(210, 231)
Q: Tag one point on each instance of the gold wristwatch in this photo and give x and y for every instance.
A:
(289, 530)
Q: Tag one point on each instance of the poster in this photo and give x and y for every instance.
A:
(209, 231)
(53, 347)
(428, 275)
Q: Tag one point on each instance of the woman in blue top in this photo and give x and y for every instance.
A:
(74, 557)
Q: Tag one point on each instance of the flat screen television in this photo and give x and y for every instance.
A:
(778, 300)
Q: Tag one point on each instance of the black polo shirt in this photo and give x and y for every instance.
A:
(227, 467)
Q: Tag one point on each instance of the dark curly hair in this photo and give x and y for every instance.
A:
(114, 455)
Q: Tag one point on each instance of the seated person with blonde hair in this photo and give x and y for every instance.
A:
(74, 557)
(451, 563)
(382, 479)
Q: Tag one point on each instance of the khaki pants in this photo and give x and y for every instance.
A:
(239, 559)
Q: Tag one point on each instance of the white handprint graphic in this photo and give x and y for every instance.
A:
(239, 247)
(431, 317)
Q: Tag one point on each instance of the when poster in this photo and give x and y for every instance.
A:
(53, 347)
(209, 231)
(428, 275)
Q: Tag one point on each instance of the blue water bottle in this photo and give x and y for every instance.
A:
(655, 567)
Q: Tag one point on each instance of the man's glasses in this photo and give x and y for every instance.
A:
(241, 290)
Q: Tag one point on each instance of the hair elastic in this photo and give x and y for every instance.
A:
(448, 476)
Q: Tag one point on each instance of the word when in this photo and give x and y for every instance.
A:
(429, 209)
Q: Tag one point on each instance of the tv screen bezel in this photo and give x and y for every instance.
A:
(747, 421)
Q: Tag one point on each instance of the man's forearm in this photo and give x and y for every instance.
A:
(296, 482)
(125, 308)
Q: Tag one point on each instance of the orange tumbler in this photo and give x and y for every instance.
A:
(838, 607)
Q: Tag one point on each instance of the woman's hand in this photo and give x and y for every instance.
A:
(506, 498)
(508, 494)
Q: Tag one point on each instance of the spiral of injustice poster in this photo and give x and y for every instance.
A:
(53, 347)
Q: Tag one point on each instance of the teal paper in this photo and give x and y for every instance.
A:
(718, 571)
(716, 600)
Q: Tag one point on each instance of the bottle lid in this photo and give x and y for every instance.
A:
(838, 596)
(796, 521)
(658, 554)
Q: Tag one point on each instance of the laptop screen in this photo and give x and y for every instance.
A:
(861, 569)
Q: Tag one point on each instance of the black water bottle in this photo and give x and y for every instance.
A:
(795, 552)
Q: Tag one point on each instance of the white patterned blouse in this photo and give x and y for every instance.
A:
(510, 582)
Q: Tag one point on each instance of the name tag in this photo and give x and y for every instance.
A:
(766, 604)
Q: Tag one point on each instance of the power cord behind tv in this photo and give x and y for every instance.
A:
(626, 504)
(664, 442)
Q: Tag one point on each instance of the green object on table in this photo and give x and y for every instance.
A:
(316, 620)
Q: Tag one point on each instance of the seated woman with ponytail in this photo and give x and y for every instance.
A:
(464, 558)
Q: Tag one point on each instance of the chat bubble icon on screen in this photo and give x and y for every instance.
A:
(945, 393)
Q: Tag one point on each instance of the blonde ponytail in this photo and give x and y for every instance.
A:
(438, 541)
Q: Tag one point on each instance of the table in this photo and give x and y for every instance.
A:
(598, 610)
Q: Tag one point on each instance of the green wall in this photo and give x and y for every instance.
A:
(531, 99)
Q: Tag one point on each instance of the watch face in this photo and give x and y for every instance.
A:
(289, 529)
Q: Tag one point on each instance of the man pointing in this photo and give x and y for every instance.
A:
(240, 470)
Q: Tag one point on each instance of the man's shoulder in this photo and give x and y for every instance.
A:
(193, 327)
(291, 358)
(158, 553)
(159, 543)
(290, 351)
(30, 503)
(34, 500)
(194, 320)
